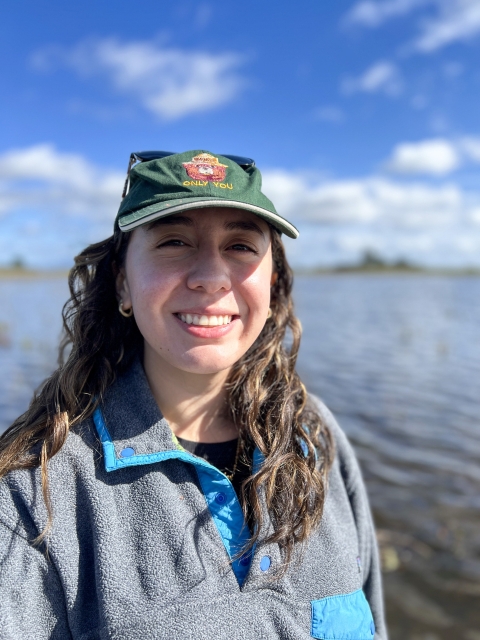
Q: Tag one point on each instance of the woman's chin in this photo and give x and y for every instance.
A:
(205, 366)
(205, 360)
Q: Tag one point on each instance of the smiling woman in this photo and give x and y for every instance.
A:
(173, 478)
(215, 263)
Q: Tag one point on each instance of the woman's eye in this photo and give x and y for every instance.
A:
(171, 243)
(242, 247)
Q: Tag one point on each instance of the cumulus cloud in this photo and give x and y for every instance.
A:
(341, 219)
(436, 157)
(372, 200)
(169, 82)
(52, 204)
(427, 223)
(373, 14)
(457, 20)
(43, 178)
(381, 77)
(453, 20)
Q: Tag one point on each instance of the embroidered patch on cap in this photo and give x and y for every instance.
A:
(206, 167)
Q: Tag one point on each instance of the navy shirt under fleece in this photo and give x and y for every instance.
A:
(146, 543)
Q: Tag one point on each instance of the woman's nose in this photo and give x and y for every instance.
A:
(209, 272)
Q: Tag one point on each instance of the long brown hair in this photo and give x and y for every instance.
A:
(265, 396)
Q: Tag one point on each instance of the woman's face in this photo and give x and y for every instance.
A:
(199, 284)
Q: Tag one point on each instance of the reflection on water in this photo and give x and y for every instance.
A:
(397, 358)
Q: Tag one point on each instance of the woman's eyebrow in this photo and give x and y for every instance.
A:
(242, 225)
(170, 220)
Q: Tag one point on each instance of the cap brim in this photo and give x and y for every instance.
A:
(135, 219)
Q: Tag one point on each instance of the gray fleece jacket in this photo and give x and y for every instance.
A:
(144, 535)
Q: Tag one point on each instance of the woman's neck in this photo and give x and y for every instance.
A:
(193, 404)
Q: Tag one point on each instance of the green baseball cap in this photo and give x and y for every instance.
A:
(164, 186)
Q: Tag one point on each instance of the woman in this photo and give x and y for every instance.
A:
(172, 479)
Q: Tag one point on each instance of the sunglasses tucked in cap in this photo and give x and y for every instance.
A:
(164, 183)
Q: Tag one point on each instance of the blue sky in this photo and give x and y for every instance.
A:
(363, 116)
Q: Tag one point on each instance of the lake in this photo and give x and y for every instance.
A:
(397, 359)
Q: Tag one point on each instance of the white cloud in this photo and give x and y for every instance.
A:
(324, 201)
(43, 162)
(453, 20)
(40, 177)
(340, 219)
(373, 14)
(436, 157)
(366, 201)
(457, 20)
(382, 77)
(170, 82)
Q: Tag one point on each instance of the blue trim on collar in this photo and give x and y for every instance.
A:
(219, 493)
(112, 462)
(258, 460)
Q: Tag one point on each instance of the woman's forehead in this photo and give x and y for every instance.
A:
(227, 218)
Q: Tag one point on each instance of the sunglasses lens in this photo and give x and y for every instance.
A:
(241, 160)
(144, 156)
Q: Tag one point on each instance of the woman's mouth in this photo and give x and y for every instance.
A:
(203, 320)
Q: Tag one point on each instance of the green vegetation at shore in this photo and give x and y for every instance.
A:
(17, 269)
(373, 263)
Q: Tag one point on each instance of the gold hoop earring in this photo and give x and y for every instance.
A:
(125, 314)
(269, 314)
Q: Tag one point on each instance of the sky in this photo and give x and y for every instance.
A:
(362, 115)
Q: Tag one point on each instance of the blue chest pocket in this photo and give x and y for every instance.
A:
(345, 617)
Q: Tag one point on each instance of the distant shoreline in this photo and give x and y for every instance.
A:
(34, 274)
(387, 270)
(31, 274)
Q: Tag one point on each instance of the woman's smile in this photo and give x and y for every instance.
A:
(205, 320)
(203, 325)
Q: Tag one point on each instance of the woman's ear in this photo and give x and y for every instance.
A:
(274, 278)
(123, 290)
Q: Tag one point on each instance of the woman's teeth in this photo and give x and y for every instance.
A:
(205, 321)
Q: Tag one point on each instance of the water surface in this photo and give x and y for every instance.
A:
(397, 359)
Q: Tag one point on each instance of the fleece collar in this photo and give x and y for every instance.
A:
(130, 424)
(133, 430)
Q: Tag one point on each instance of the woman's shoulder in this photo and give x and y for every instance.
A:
(21, 503)
(345, 457)
(329, 421)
